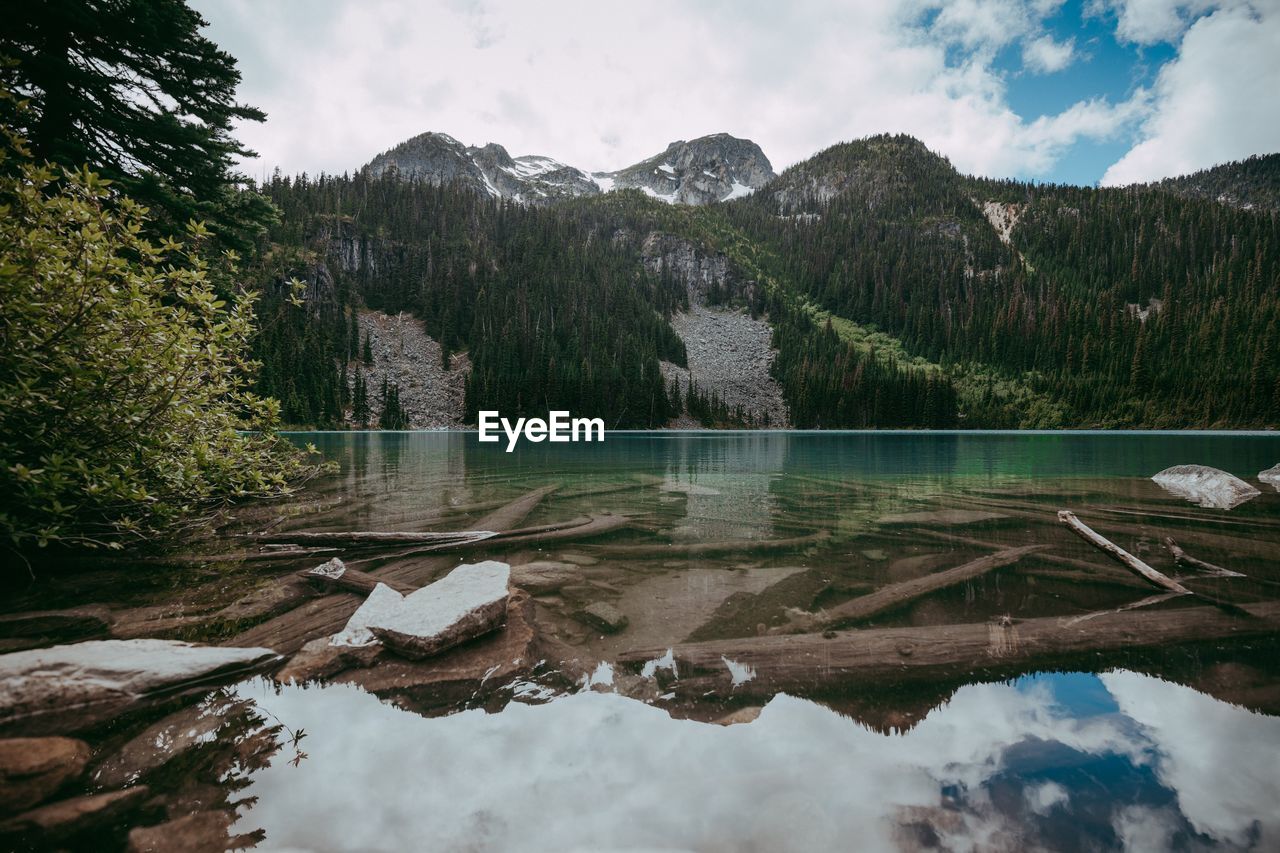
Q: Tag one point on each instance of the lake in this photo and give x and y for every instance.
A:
(1031, 705)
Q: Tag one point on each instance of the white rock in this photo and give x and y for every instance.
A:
(1271, 475)
(72, 687)
(1205, 486)
(382, 604)
(467, 603)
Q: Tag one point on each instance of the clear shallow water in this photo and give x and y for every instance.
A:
(1176, 746)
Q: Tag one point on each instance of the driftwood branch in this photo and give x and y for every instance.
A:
(1182, 558)
(1087, 533)
(359, 538)
(812, 663)
(707, 548)
(352, 580)
(899, 595)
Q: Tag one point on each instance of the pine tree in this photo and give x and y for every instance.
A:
(133, 89)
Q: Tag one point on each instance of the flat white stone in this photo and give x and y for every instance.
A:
(381, 605)
(75, 686)
(1205, 486)
(468, 602)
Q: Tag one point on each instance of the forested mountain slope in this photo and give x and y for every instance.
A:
(1252, 183)
(899, 293)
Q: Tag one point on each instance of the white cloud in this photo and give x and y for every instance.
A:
(604, 85)
(1215, 102)
(1045, 56)
(1152, 21)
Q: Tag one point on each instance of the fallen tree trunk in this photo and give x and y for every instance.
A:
(1182, 558)
(899, 595)
(509, 515)
(351, 580)
(582, 528)
(1155, 577)
(366, 538)
(1004, 647)
(705, 548)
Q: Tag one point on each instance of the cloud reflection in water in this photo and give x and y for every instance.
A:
(1055, 760)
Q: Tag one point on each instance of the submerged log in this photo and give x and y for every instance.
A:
(1087, 533)
(336, 575)
(1182, 558)
(367, 538)
(811, 662)
(509, 515)
(899, 595)
(707, 548)
(328, 614)
(578, 528)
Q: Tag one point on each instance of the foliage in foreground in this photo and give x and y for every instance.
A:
(124, 380)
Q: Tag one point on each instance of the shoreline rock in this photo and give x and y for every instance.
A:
(1206, 487)
(75, 687)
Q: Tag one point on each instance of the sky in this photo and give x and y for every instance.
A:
(1072, 91)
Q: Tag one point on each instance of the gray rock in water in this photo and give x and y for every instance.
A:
(32, 769)
(1205, 486)
(467, 603)
(543, 576)
(1271, 476)
(72, 687)
(604, 616)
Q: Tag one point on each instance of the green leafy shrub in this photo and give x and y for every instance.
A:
(124, 404)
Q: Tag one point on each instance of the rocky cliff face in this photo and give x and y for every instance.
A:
(404, 355)
(701, 171)
(729, 352)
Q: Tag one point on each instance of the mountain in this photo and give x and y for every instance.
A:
(708, 169)
(1253, 183)
(712, 168)
(871, 285)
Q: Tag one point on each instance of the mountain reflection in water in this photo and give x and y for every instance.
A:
(1064, 761)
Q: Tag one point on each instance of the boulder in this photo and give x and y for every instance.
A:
(467, 603)
(161, 742)
(33, 769)
(74, 687)
(1205, 486)
(603, 616)
(544, 576)
(51, 825)
(382, 604)
(1271, 476)
(492, 662)
(199, 832)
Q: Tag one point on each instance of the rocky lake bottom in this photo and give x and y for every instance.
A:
(676, 641)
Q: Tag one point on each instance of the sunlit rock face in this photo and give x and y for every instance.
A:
(1046, 762)
(1205, 486)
